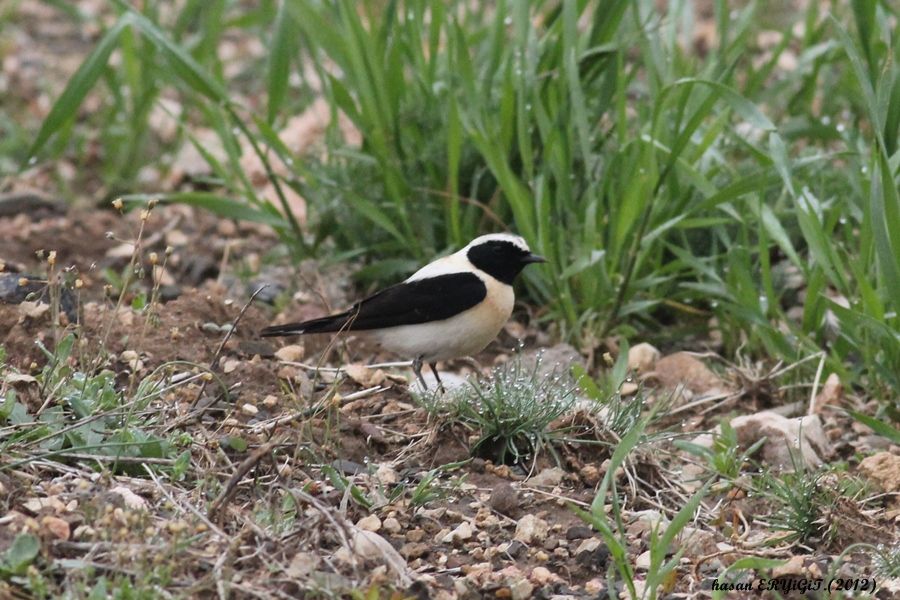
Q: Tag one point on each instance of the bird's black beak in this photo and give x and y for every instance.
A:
(533, 258)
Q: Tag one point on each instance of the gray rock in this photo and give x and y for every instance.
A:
(531, 529)
(788, 441)
(548, 477)
(578, 532)
(504, 498)
(592, 554)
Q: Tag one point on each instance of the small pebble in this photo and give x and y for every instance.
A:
(391, 525)
(504, 498)
(369, 523)
(578, 532)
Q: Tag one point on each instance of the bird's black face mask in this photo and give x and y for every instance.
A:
(501, 260)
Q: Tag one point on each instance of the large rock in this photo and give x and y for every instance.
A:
(882, 469)
(682, 368)
(642, 357)
(788, 441)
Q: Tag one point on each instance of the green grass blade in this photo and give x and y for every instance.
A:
(185, 66)
(885, 208)
(279, 63)
(66, 107)
(879, 427)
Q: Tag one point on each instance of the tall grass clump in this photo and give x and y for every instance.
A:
(744, 180)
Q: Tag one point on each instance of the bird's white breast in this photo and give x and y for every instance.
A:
(464, 334)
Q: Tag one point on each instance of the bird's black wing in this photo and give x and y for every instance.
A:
(408, 303)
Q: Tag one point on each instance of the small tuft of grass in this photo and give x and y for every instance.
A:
(798, 500)
(432, 487)
(887, 560)
(809, 505)
(725, 457)
(511, 410)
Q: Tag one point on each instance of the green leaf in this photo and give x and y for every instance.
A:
(879, 427)
(236, 443)
(68, 103)
(279, 65)
(625, 446)
(185, 67)
(776, 230)
(885, 206)
(743, 107)
(21, 553)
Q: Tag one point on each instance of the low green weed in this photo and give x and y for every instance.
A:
(83, 416)
(510, 410)
(725, 456)
(611, 526)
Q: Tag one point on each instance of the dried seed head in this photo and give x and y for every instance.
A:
(145, 214)
(108, 289)
(169, 250)
(153, 202)
(39, 254)
(118, 204)
(79, 283)
(23, 281)
(51, 258)
(154, 258)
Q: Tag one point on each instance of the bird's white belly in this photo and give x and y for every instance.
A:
(462, 335)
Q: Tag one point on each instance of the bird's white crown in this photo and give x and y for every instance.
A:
(499, 237)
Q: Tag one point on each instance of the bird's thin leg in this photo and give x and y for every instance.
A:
(438, 377)
(417, 369)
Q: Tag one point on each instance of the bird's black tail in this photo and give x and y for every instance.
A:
(321, 325)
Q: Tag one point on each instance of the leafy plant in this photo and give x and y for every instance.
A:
(725, 456)
(887, 560)
(798, 502)
(620, 414)
(83, 416)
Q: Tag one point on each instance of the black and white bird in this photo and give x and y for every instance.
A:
(449, 308)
